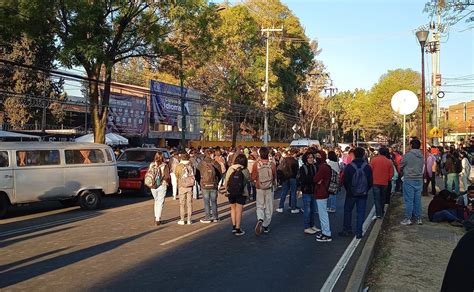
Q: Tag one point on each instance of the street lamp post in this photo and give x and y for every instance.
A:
(422, 36)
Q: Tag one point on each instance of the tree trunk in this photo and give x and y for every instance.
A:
(99, 136)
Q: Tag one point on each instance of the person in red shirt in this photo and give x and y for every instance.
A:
(382, 169)
(321, 180)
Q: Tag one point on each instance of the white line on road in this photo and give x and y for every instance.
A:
(346, 256)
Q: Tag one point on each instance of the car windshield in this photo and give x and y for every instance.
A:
(137, 155)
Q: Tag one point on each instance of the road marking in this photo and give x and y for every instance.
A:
(50, 224)
(346, 256)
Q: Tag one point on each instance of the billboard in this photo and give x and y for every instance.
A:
(127, 114)
(166, 103)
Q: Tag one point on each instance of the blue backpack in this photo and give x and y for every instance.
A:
(359, 184)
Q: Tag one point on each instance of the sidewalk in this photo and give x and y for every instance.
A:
(411, 258)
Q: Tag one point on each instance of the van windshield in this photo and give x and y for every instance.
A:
(137, 155)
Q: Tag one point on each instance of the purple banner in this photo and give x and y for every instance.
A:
(127, 115)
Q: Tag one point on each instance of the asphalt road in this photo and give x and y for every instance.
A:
(47, 247)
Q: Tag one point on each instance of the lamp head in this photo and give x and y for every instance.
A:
(422, 36)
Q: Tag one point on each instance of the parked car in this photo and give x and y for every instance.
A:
(63, 171)
(132, 166)
(304, 142)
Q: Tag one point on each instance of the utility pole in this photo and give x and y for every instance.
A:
(266, 87)
(183, 102)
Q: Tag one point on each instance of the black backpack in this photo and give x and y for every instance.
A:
(236, 183)
(457, 165)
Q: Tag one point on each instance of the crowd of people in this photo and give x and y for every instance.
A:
(316, 174)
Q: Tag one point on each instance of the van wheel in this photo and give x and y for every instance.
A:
(69, 202)
(90, 200)
(145, 191)
(4, 205)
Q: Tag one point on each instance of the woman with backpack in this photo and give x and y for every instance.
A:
(335, 180)
(305, 177)
(236, 180)
(161, 177)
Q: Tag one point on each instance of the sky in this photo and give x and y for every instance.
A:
(361, 40)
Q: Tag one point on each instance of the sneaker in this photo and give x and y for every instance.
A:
(295, 211)
(157, 223)
(190, 222)
(323, 238)
(346, 233)
(456, 224)
(279, 210)
(266, 230)
(406, 222)
(331, 210)
(215, 220)
(234, 230)
(316, 229)
(419, 222)
(258, 227)
(239, 232)
(310, 231)
(206, 221)
(181, 222)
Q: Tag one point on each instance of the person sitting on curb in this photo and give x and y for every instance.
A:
(443, 208)
(466, 202)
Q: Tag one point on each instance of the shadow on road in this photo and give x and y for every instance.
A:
(5, 243)
(14, 276)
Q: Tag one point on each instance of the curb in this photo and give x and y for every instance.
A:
(357, 279)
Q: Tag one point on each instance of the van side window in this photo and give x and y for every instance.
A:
(109, 155)
(4, 159)
(37, 157)
(84, 156)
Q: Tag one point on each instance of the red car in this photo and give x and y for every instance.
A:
(132, 166)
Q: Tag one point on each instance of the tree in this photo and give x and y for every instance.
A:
(16, 112)
(452, 11)
(99, 34)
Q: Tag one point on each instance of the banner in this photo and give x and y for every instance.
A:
(127, 115)
(166, 102)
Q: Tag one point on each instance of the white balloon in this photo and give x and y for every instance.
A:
(404, 102)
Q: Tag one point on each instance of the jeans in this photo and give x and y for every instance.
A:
(252, 190)
(288, 185)
(446, 215)
(394, 186)
(429, 180)
(159, 196)
(379, 199)
(453, 178)
(174, 185)
(412, 197)
(309, 207)
(210, 200)
(323, 216)
(185, 202)
(332, 201)
(361, 203)
(265, 206)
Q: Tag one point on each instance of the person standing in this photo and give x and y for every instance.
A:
(289, 169)
(236, 179)
(358, 180)
(412, 169)
(162, 180)
(186, 180)
(264, 176)
(174, 161)
(466, 170)
(209, 174)
(305, 177)
(336, 167)
(453, 168)
(430, 175)
(382, 170)
(321, 180)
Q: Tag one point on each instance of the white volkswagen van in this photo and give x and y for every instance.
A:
(65, 171)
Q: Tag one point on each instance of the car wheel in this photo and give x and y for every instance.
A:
(145, 191)
(69, 202)
(90, 200)
(4, 205)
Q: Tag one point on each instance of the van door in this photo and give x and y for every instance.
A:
(6, 174)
